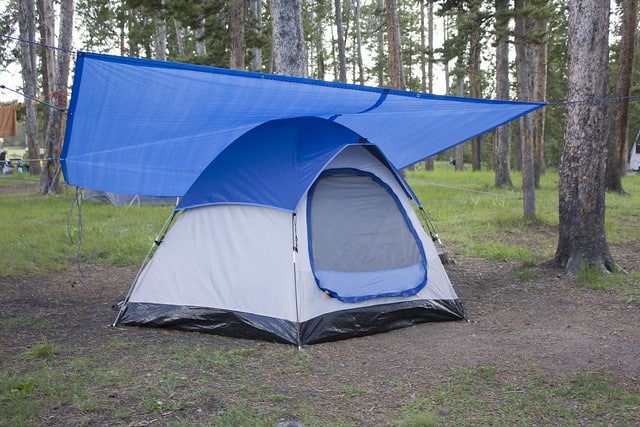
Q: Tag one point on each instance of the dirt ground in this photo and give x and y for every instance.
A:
(548, 324)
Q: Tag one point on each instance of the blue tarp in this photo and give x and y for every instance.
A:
(149, 127)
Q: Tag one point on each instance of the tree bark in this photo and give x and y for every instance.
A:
(236, 30)
(619, 130)
(396, 66)
(256, 52)
(523, 73)
(46, 26)
(342, 58)
(502, 135)
(474, 76)
(458, 156)
(582, 238)
(358, 30)
(27, 26)
(317, 42)
(288, 38)
(161, 33)
(380, 46)
(49, 181)
(539, 95)
(179, 31)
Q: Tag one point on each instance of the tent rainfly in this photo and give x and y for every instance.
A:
(294, 224)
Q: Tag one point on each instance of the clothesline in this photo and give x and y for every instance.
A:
(34, 99)
(548, 103)
(48, 46)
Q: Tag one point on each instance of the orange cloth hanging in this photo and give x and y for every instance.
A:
(8, 120)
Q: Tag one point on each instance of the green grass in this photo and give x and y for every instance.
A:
(474, 218)
(42, 233)
(119, 379)
(489, 396)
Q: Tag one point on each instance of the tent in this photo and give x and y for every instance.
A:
(294, 223)
(340, 253)
(634, 158)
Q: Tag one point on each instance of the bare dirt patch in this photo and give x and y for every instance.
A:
(547, 324)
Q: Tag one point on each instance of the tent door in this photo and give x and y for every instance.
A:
(362, 244)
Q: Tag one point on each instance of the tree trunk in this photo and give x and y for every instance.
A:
(360, 65)
(318, 40)
(619, 131)
(201, 46)
(380, 46)
(458, 157)
(256, 52)
(27, 25)
(49, 182)
(502, 135)
(161, 33)
(524, 73)
(342, 58)
(539, 95)
(423, 48)
(582, 238)
(430, 47)
(47, 56)
(474, 78)
(396, 66)
(179, 37)
(236, 31)
(426, 59)
(288, 39)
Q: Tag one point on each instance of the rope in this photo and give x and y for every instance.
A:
(12, 177)
(77, 201)
(77, 52)
(46, 159)
(496, 195)
(64, 110)
(593, 100)
(48, 46)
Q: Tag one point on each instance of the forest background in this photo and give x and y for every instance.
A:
(451, 46)
(532, 50)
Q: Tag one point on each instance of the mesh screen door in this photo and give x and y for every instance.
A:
(362, 243)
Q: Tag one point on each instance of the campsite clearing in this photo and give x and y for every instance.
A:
(545, 336)
(540, 350)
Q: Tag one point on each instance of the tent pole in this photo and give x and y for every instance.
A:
(442, 252)
(159, 238)
(294, 247)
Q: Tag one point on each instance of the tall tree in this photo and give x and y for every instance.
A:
(49, 180)
(342, 58)
(582, 239)
(540, 53)
(255, 6)
(524, 74)
(380, 52)
(236, 30)
(619, 125)
(161, 33)
(46, 26)
(426, 48)
(473, 25)
(358, 44)
(27, 29)
(502, 135)
(396, 65)
(288, 38)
